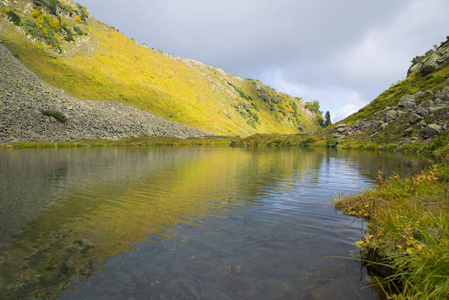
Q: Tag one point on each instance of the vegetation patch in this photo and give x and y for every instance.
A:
(55, 114)
(408, 231)
(126, 142)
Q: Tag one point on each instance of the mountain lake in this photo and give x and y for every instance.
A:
(184, 222)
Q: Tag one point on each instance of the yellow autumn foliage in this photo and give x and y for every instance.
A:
(106, 65)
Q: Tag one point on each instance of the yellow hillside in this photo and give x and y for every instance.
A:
(90, 60)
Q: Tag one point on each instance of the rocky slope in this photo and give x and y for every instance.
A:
(414, 110)
(23, 97)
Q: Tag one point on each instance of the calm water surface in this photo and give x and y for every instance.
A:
(183, 223)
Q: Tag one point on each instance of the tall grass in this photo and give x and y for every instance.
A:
(409, 230)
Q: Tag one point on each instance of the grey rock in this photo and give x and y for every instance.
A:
(341, 126)
(338, 136)
(414, 68)
(422, 124)
(390, 115)
(420, 95)
(432, 130)
(430, 64)
(343, 129)
(437, 107)
(404, 141)
(407, 101)
(377, 124)
(427, 104)
(422, 111)
(408, 131)
(414, 118)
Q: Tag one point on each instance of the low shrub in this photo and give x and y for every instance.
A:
(55, 114)
(13, 17)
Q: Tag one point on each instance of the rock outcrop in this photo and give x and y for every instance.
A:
(23, 97)
(416, 117)
(431, 62)
(426, 115)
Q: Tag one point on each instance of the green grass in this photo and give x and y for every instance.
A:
(411, 85)
(408, 230)
(128, 142)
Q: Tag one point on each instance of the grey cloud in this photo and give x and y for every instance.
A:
(317, 43)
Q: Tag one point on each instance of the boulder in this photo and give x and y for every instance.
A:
(442, 96)
(422, 111)
(427, 104)
(413, 68)
(421, 95)
(414, 118)
(342, 129)
(390, 115)
(437, 107)
(443, 52)
(430, 64)
(408, 131)
(338, 136)
(404, 141)
(407, 101)
(432, 130)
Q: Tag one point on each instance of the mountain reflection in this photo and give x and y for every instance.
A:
(69, 211)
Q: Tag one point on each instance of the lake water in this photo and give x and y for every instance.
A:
(183, 223)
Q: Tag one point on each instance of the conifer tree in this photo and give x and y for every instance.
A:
(327, 119)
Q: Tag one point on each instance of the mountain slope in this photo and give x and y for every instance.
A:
(103, 64)
(33, 111)
(413, 110)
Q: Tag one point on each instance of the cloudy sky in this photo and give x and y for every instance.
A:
(342, 53)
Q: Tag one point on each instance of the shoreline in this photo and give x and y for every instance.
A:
(407, 239)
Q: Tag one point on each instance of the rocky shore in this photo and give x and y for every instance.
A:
(23, 97)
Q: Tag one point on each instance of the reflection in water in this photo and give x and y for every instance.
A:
(181, 222)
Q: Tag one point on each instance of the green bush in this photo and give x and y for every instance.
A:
(13, 17)
(78, 30)
(55, 114)
(51, 5)
(32, 29)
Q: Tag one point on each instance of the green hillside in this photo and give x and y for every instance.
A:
(410, 114)
(72, 51)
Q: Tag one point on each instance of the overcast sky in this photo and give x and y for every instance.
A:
(343, 53)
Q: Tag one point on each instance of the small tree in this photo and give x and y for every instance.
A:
(327, 119)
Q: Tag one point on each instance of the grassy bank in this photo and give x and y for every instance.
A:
(138, 141)
(408, 232)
